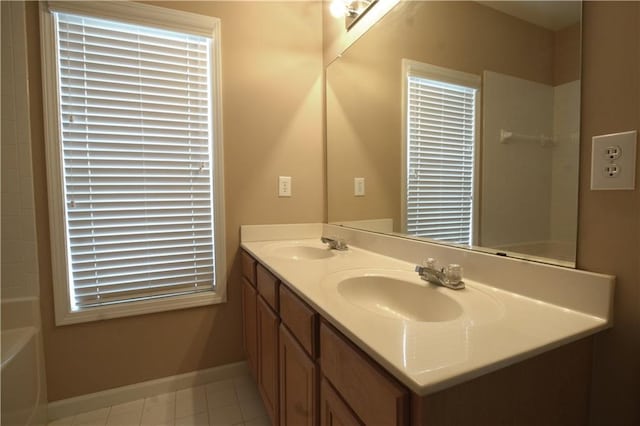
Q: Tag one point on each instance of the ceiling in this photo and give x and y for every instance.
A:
(552, 15)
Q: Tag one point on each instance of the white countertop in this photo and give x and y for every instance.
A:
(429, 356)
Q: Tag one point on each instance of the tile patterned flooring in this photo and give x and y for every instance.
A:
(227, 402)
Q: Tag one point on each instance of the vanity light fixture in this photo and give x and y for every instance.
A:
(351, 10)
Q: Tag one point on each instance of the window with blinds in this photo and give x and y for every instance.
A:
(136, 158)
(441, 133)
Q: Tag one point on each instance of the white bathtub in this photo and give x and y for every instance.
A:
(23, 395)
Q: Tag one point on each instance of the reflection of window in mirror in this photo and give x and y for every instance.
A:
(440, 117)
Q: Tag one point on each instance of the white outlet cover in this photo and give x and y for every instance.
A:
(358, 187)
(625, 163)
(284, 186)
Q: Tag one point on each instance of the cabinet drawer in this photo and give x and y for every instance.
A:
(267, 286)
(375, 396)
(248, 267)
(300, 319)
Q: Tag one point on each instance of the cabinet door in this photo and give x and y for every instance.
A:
(372, 393)
(268, 358)
(334, 411)
(298, 383)
(249, 299)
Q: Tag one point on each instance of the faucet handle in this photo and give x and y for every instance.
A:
(430, 263)
(453, 272)
(341, 244)
(335, 243)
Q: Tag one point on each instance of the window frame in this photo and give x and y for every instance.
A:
(140, 14)
(446, 75)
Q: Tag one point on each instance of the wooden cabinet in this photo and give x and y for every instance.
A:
(333, 410)
(260, 328)
(310, 374)
(249, 326)
(298, 383)
(375, 396)
(549, 389)
(298, 352)
(268, 377)
(281, 334)
(249, 300)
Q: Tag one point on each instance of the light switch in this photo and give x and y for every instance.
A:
(358, 187)
(613, 161)
(284, 186)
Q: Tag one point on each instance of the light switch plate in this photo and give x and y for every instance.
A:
(358, 187)
(284, 186)
(613, 161)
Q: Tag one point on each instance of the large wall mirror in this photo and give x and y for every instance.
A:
(459, 122)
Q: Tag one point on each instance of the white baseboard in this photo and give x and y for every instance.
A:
(93, 401)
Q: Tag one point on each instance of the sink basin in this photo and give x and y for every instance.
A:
(402, 295)
(401, 299)
(295, 251)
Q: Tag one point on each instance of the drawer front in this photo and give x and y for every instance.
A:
(267, 286)
(375, 396)
(248, 267)
(300, 319)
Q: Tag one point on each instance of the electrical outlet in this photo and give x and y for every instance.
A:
(284, 186)
(358, 187)
(613, 161)
(612, 170)
(613, 152)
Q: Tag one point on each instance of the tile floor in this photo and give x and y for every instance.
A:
(227, 402)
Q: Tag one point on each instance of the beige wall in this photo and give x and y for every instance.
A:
(609, 221)
(566, 55)
(272, 114)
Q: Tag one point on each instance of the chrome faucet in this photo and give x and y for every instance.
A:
(450, 277)
(335, 243)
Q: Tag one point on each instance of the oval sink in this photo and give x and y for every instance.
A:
(303, 252)
(300, 251)
(400, 299)
(401, 295)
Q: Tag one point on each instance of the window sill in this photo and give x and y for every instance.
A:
(140, 308)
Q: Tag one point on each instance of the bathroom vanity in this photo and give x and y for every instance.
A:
(355, 337)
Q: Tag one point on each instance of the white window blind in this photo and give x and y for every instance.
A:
(440, 149)
(137, 159)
